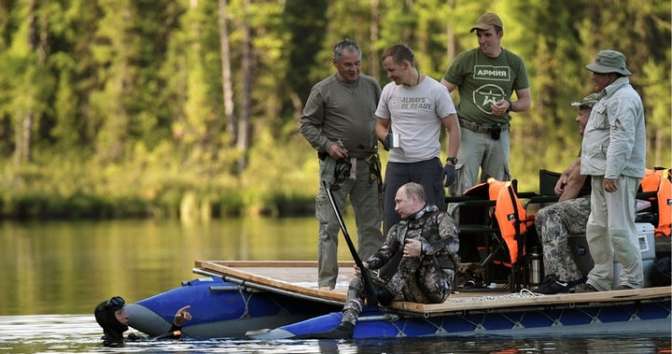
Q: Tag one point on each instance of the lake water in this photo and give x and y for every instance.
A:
(54, 273)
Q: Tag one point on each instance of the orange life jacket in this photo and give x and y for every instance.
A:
(659, 181)
(510, 215)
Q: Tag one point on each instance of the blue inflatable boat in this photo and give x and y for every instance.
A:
(278, 300)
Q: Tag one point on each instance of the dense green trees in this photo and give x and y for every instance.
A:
(189, 107)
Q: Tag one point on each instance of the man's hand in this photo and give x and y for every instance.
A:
(500, 107)
(182, 316)
(358, 271)
(412, 248)
(450, 174)
(610, 185)
(337, 152)
(560, 185)
(387, 142)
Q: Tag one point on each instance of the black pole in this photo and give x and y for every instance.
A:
(368, 286)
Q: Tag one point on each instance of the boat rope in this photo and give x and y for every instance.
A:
(522, 294)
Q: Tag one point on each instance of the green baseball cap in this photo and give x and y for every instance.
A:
(609, 61)
(587, 102)
(486, 20)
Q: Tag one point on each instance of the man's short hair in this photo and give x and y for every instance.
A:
(346, 44)
(414, 190)
(399, 53)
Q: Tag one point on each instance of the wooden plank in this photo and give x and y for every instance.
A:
(266, 264)
(267, 281)
(293, 278)
(504, 301)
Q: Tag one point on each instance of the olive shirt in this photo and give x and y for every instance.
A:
(338, 110)
(482, 80)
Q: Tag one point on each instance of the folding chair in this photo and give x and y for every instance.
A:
(493, 221)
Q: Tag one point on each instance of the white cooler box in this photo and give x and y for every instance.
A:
(647, 245)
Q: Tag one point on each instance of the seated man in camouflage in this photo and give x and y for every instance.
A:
(555, 223)
(427, 241)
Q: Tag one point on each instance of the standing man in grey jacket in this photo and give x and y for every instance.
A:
(613, 153)
(338, 121)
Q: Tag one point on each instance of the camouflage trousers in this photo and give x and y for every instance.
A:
(554, 224)
(427, 285)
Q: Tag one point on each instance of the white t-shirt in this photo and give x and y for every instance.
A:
(416, 114)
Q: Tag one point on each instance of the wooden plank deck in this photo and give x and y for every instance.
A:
(300, 277)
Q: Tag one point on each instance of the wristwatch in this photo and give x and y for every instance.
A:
(452, 160)
(510, 105)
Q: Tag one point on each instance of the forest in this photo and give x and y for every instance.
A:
(190, 108)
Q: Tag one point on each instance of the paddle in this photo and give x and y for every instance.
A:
(371, 297)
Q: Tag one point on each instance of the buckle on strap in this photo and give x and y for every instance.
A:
(482, 128)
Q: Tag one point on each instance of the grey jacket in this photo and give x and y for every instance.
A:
(614, 141)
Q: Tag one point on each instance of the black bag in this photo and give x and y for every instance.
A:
(495, 132)
(384, 296)
(660, 273)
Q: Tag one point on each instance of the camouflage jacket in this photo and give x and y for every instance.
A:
(436, 231)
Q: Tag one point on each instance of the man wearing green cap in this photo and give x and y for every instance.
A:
(613, 154)
(486, 77)
(569, 215)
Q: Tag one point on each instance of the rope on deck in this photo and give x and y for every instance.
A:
(522, 294)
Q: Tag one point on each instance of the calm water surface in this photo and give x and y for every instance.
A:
(54, 273)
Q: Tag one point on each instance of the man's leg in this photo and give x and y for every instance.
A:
(328, 230)
(621, 228)
(472, 149)
(554, 224)
(430, 175)
(395, 177)
(436, 283)
(599, 242)
(366, 202)
(496, 160)
(354, 301)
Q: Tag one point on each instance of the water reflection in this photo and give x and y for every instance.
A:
(68, 333)
(67, 267)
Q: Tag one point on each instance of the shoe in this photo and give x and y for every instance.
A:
(551, 285)
(343, 331)
(624, 287)
(585, 288)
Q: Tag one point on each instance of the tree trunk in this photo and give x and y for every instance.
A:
(227, 90)
(658, 148)
(374, 60)
(450, 35)
(243, 143)
(25, 125)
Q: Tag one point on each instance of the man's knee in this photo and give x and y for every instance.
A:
(541, 217)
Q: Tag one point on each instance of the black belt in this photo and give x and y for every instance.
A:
(323, 155)
(481, 128)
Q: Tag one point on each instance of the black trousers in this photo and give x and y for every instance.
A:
(428, 173)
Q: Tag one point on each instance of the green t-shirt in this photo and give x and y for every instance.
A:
(482, 80)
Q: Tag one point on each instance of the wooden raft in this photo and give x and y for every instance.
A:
(300, 278)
